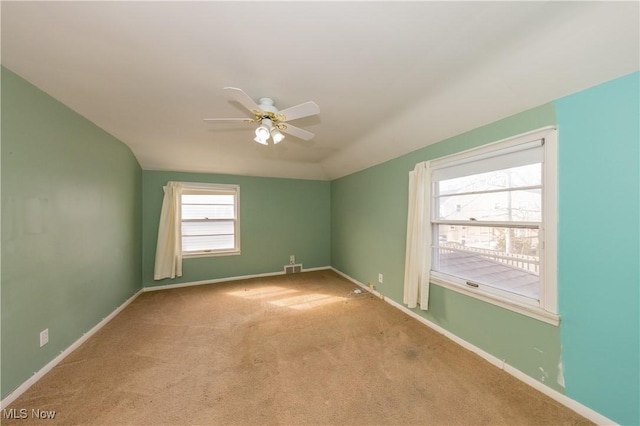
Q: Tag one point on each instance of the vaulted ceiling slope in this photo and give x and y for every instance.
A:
(389, 77)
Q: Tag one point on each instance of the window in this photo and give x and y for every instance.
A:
(493, 223)
(209, 221)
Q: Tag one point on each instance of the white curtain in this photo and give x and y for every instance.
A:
(169, 247)
(418, 253)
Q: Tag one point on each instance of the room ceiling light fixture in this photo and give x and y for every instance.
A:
(276, 135)
(273, 123)
(263, 132)
(267, 129)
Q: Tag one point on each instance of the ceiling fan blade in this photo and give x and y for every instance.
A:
(303, 110)
(297, 132)
(242, 98)
(226, 119)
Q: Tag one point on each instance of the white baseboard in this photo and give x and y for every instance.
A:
(221, 280)
(44, 370)
(552, 393)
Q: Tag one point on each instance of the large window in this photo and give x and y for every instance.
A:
(493, 223)
(209, 217)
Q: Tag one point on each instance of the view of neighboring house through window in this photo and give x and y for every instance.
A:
(210, 223)
(488, 221)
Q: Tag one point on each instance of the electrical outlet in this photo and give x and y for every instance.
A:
(380, 278)
(370, 286)
(44, 337)
(292, 259)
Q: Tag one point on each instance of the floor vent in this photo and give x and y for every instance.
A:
(292, 269)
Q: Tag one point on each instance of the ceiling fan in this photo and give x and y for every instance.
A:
(272, 122)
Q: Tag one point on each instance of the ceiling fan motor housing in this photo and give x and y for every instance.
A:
(267, 105)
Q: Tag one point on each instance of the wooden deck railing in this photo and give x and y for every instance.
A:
(522, 261)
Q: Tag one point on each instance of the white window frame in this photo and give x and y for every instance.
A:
(210, 188)
(546, 309)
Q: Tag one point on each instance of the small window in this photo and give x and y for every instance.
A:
(210, 222)
(493, 216)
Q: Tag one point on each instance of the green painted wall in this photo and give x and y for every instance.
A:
(71, 227)
(369, 221)
(278, 217)
(599, 246)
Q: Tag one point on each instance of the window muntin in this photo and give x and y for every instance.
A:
(209, 219)
(514, 177)
(488, 209)
(508, 205)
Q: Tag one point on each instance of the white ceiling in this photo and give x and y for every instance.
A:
(389, 77)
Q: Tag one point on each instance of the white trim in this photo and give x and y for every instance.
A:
(358, 283)
(194, 187)
(523, 309)
(546, 305)
(549, 260)
(572, 404)
(44, 370)
(205, 188)
(487, 223)
(522, 138)
(319, 268)
(221, 280)
(488, 191)
(193, 255)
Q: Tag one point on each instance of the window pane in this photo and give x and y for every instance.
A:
(207, 228)
(503, 258)
(196, 211)
(530, 175)
(209, 242)
(207, 199)
(518, 206)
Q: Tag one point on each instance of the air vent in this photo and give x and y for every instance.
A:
(292, 269)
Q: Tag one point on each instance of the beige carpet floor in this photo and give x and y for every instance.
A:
(289, 350)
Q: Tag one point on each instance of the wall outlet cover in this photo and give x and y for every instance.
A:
(44, 337)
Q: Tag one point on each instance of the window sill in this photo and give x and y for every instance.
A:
(529, 311)
(210, 254)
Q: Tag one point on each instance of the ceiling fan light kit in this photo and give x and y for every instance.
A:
(263, 132)
(272, 122)
(276, 136)
(261, 139)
